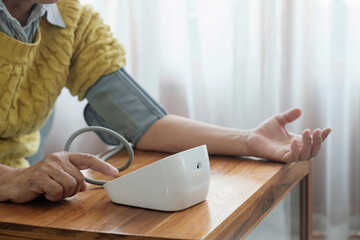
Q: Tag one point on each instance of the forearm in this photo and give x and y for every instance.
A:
(174, 133)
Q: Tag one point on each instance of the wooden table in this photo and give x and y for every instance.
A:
(242, 192)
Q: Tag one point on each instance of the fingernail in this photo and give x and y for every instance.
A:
(113, 171)
(309, 135)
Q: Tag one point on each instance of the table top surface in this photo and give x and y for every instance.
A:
(242, 191)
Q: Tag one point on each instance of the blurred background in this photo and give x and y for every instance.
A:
(237, 62)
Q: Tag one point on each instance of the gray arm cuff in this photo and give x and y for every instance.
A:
(117, 102)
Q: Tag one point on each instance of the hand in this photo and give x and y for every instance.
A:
(57, 176)
(271, 140)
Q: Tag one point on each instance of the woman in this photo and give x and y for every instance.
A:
(47, 45)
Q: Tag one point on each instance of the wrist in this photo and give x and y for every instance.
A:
(232, 142)
(5, 182)
(242, 145)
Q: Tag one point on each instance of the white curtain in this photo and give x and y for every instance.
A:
(237, 62)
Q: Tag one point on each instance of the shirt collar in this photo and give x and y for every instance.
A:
(53, 14)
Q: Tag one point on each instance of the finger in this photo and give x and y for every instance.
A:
(83, 187)
(77, 175)
(67, 182)
(294, 152)
(306, 146)
(289, 116)
(316, 145)
(84, 161)
(325, 133)
(53, 191)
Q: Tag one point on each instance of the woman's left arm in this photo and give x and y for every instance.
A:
(270, 140)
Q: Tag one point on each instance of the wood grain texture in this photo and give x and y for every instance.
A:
(242, 192)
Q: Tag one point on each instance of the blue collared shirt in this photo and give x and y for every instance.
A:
(11, 26)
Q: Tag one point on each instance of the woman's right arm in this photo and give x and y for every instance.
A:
(57, 176)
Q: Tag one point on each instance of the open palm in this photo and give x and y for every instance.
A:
(271, 140)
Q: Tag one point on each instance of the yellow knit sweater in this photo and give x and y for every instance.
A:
(33, 75)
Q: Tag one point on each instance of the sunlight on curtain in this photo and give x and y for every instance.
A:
(235, 63)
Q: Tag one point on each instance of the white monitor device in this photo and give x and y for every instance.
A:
(173, 183)
(170, 184)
